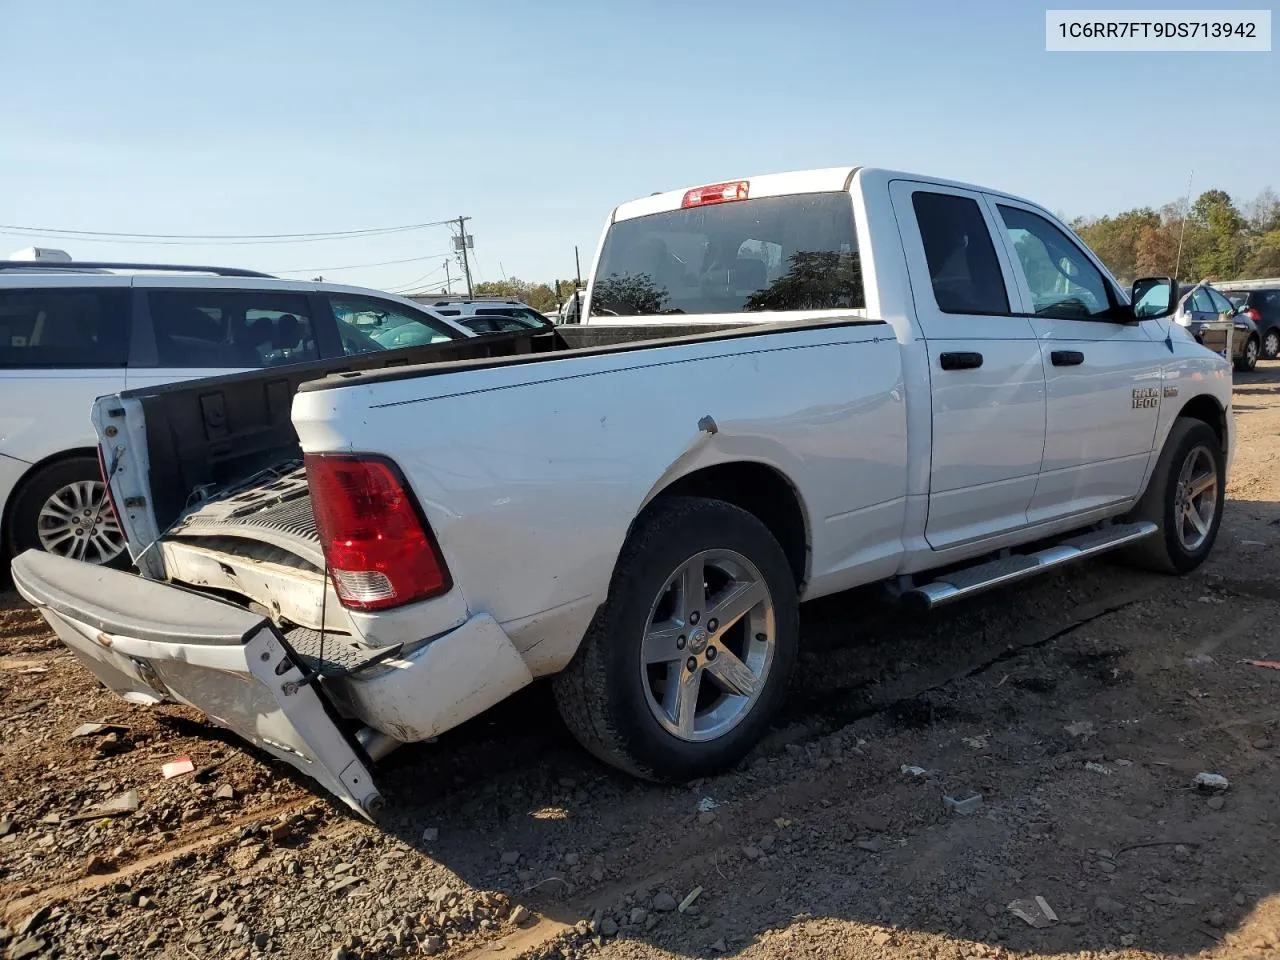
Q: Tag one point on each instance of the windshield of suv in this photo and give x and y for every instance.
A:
(774, 253)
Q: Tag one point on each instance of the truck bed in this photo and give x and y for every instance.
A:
(207, 438)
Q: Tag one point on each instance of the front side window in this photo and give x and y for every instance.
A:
(74, 328)
(1201, 302)
(368, 325)
(1064, 283)
(1220, 303)
(204, 329)
(963, 268)
(795, 252)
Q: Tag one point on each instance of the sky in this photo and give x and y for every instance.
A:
(536, 119)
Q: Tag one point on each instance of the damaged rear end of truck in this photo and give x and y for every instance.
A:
(236, 612)
(296, 591)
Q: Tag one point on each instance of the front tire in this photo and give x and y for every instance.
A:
(689, 659)
(63, 509)
(1249, 358)
(1184, 499)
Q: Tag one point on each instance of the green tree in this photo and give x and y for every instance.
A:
(1115, 239)
(1220, 245)
(537, 295)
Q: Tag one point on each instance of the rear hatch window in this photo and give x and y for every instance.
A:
(774, 253)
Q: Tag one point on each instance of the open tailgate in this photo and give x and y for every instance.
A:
(150, 641)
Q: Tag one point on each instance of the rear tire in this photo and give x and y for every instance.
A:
(658, 687)
(61, 509)
(1189, 477)
(1249, 358)
(1271, 344)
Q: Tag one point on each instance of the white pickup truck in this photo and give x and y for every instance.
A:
(786, 386)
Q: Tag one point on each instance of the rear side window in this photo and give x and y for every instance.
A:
(962, 260)
(203, 329)
(76, 328)
(774, 253)
(1268, 303)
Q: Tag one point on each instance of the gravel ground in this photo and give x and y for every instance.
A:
(1080, 708)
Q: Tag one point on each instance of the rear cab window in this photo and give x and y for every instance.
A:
(76, 328)
(783, 253)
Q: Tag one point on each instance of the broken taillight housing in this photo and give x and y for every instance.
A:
(378, 546)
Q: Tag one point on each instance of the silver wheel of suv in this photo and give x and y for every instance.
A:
(1271, 345)
(708, 645)
(77, 521)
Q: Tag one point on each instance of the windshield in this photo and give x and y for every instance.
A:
(774, 253)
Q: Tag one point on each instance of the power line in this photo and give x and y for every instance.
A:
(418, 284)
(210, 239)
(358, 266)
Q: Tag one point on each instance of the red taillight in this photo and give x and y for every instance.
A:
(1253, 314)
(716, 193)
(377, 544)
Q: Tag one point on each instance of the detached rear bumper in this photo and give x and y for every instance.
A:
(150, 641)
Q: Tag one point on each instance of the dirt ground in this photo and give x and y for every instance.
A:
(1080, 707)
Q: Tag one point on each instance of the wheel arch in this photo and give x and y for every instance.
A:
(1206, 408)
(28, 475)
(759, 488)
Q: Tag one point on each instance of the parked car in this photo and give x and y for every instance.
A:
(786, 387)
(488, 315)
(73, 331)
(1261, 305)
(1213, 321)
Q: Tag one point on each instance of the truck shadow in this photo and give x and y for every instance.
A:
(1063, 704)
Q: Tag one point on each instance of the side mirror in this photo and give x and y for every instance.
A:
(1154, 297)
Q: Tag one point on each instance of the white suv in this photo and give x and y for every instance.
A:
(71, 332)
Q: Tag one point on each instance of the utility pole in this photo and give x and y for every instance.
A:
(448, 281)
(1183, 229)
(462, 245)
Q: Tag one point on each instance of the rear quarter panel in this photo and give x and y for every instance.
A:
(531, 474)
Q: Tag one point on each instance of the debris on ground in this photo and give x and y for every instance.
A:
(963, 805)
(90, 729)
(1080, 728)
(911, 770)
(664, 902)
(1097, 768)
(1036, 912)
(687, 902)
(1211, 781)
(1268, 664)
(707, 804)
(177, 767)
(125, 803)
